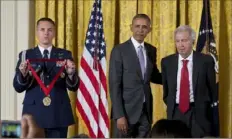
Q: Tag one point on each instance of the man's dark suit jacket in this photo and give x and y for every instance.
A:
(127, 86)
(59, 113)
(204, 83)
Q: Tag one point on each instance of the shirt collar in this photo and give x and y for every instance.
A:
(189, 58)
(136, 43)
(42, 49)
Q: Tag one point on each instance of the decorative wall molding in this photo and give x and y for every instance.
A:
(16, 31)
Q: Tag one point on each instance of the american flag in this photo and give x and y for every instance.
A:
(92, 104)
(206, 44)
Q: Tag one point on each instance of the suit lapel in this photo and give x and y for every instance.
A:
(38, 55)
(149, 63)
(174, 69)
(195, 70)
(37, 52)
(134, 56)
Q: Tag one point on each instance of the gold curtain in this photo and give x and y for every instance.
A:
(72, 17)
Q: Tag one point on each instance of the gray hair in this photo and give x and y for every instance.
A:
(183, 28)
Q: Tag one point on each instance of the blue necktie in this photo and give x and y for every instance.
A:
(141, 60)
(45, 56)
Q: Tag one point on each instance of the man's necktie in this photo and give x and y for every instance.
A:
(184, 88)
(141, 60)
(45, 56)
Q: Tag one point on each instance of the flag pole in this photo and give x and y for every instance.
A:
(95, 62)
(207, 25)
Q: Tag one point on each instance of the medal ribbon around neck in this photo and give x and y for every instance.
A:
(45, 89)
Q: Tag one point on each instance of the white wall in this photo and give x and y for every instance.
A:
(16, 25)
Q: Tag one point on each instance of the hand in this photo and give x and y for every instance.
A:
(29, 128)
(23, 68)
(70, 67)
(122, 125)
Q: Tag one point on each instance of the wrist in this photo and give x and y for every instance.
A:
(24, 74)
(70, 76)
